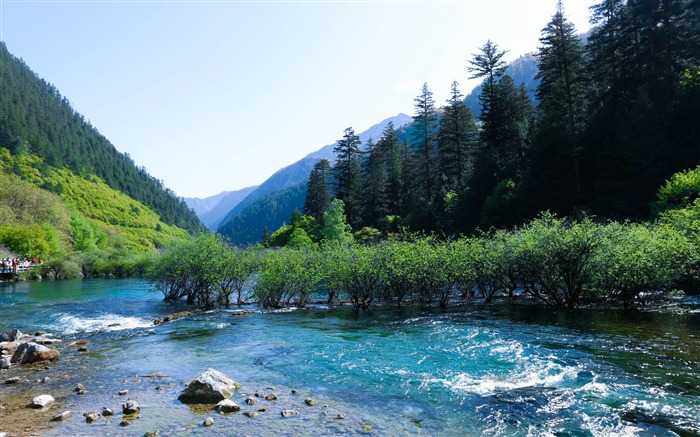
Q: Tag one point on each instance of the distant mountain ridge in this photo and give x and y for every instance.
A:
(212, 210)
(244, 232)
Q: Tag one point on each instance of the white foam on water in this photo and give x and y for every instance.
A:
(596, 388)
(529, 374)
(601, 427)
(70, 324)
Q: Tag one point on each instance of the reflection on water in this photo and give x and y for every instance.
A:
(499, 369)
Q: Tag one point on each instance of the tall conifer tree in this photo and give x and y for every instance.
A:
(457, 140)
(489, 65)
(318, 195)
(561, 91)
(348, 176)
(424, 142)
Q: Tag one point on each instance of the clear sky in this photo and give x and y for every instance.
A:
(218, 95)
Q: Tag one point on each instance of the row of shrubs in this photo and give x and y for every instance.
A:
(97, 263)
(559, 262)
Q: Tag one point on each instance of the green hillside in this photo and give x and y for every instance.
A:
(51, 213)
(35, 118)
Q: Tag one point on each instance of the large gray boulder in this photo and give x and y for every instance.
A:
(28, 353)
(209, 387)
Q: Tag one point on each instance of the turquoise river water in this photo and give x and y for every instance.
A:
(500, 369)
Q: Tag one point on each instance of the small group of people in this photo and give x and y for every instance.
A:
(15, 265)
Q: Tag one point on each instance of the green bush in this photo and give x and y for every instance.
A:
(286, 277)
(681, 191)
(556, 259)
(638, 258)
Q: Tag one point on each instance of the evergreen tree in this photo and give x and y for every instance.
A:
(424, 141)
(562, 107)
(514, 116)
(394, 154)
(644, 124)
(377, 184)
(488, 64)
(348, 176)
(318, 195)
(265, 236)
(457, 141)
(604, 48)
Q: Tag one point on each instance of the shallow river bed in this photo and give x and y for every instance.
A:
(499, 369)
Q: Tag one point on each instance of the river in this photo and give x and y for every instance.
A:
(499, 369)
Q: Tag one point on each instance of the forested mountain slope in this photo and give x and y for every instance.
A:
(270, 211)
(284, 183)
(34, 117)
(615, 114)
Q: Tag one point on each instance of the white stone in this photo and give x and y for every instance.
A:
(42, 401)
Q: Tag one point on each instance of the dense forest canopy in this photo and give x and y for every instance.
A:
(34, 117)
(614, 118)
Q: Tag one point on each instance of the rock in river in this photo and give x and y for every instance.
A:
(10, 335)
(91, 416)
(209, 387)
(61, 416)
(28, 353)
(130, 407)
(227, 406)
(42, 401)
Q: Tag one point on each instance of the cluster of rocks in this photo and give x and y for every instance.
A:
(17, 348)
(210, 387)
(214, 386)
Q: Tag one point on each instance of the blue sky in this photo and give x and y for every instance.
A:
(218, 95)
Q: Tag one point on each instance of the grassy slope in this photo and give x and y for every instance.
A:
(125, 222)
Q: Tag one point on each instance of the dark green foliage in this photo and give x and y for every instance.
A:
(424, 147)
(457, 141)
(347, 174)
(488, 64)
(562, 96)
(35, 117)
(514, 115)
(641, 130)
(523, 70)
(376, 173)
(318, 195)
(270, 211)
(384, 184)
